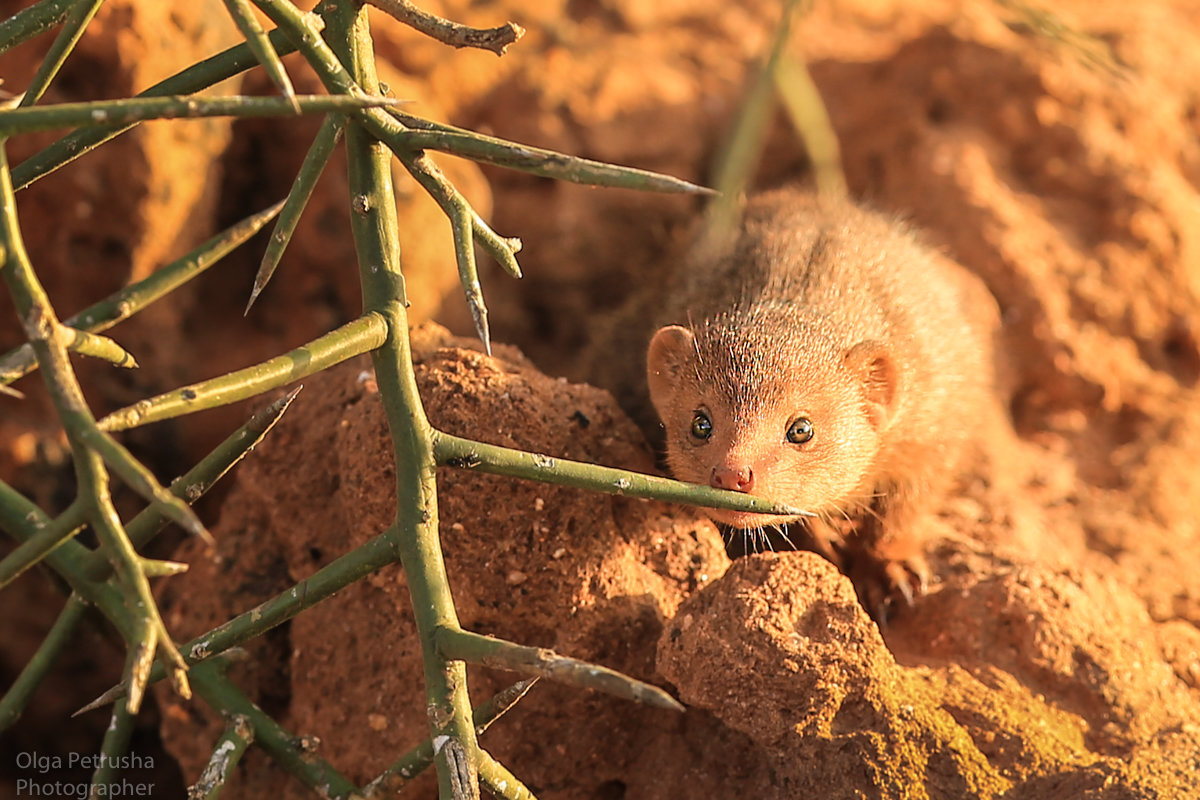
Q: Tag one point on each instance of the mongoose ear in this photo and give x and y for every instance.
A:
(871, 363)
(671, 348)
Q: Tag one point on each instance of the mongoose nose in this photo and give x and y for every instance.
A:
(737, 480)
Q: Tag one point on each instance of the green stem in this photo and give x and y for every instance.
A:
(115, 745)
(417, 134)
(802, 100)
(72, 29)
(333, 577)
(503, 249)
(417, 760)
(157, 568)
(133, 298)
(73, 26)
(200, 76)
(454, 451)
(193, 484)
(42, 543)
(150, 632)
(462, 223)
(467, 226)
(42, 329)
(239, 733)
(22, 519)
(295, 754)
(74, 562)
(357, 337)
(30, 22)
(57, 639)
(256, 39)
(498, 704)
(408, 141)
(138, 109)
(142, 481)
(740, 154)
(376, 239)
(304, 32)
(101, 347)
(499, 781)
(475, 648)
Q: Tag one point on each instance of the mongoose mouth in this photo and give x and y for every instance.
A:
(744, 519)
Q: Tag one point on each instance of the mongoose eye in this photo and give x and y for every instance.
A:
(800, 431)
(701, 426)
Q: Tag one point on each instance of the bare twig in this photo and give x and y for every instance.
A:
(452, 33)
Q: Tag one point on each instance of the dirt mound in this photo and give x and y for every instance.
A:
(1019, 681)
(523, 559)
(1009, 676)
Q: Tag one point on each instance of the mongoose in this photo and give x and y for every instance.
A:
(825, 358)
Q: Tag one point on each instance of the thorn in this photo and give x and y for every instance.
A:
(204, 535)
(479, 315)
(269, 212)
(155, 568)
(254, 293)
(481, 328)
(290, 94)
(192, 524)
(179, 682)
(661, 699)
(108, 697)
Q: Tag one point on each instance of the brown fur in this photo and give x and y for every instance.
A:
(822, 309)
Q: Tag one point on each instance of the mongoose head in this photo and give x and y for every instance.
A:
(765, 403)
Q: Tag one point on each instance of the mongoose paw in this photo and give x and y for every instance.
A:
(884, 585)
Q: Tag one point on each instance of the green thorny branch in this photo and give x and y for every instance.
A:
(335, 41)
